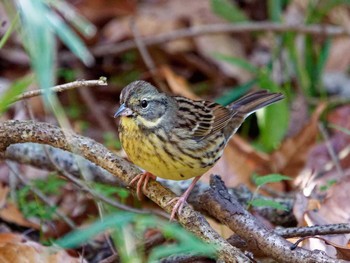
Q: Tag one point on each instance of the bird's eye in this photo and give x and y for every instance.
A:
(144, 103)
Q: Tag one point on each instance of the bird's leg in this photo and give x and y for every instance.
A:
(180, 201)
(142, 181)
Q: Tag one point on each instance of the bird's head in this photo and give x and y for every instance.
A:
(142, 101)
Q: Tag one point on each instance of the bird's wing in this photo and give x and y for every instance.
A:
(202, 118)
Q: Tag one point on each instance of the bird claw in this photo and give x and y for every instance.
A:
(180, 202)
(142, 181)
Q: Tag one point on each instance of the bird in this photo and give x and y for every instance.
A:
(177, 138)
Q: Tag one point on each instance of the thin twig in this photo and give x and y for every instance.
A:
(330, 229)
(113, 48)
(331, 151)
(59, 88)
(43, 198)
(146, 55)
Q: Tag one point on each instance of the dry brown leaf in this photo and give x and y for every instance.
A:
(320, 167)
(341, 117)
(339, 15)
(339, 57)
(100, 10)
(4, 190)
(343, 252)
(223, 44)
(177, 84)
(17, 248)
(290, 158)
(295, 12)
(10, 213)
(334, 209)
(331, 248)
(223, 230)
(151, 20)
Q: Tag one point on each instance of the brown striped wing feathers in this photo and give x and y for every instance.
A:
(202, 118)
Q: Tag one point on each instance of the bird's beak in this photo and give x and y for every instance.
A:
(123, 111)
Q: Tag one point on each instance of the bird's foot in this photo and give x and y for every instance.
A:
(180, 202)
(142, 181)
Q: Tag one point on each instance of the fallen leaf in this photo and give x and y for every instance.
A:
(339, 58)
(290, 158)
(177, 84)
(320, 168)
(17, 248)
(100, 10)
(341, 252)
(4, 190)
(10, 213)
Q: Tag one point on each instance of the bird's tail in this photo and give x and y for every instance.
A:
(254, 101)
(246, 105)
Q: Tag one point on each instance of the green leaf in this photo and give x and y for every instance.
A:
(39, 41)
(322, 59)
(273, 120)
(50, 185)
(339, 128)
(275, 10)
(110, 190)
(267, 203)
(328, 185)
(240, 62)
(9, 31)
(31, 206)
(68, 75)
(15, 89)
(271, 178)
(80, 236)
(235, 93)
(71, 15)
(187, 243)
(297, 62)
(228, 10)
(39, 25)
(69, 37)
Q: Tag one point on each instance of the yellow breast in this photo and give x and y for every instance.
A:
(159, 157)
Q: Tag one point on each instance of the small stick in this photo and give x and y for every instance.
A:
(146, 55)
(59, 88)
(330, 229)
(113, 48)
(331, 151)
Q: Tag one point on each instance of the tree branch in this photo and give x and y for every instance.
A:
(115, 48)
(228, 210)
(12, 132)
